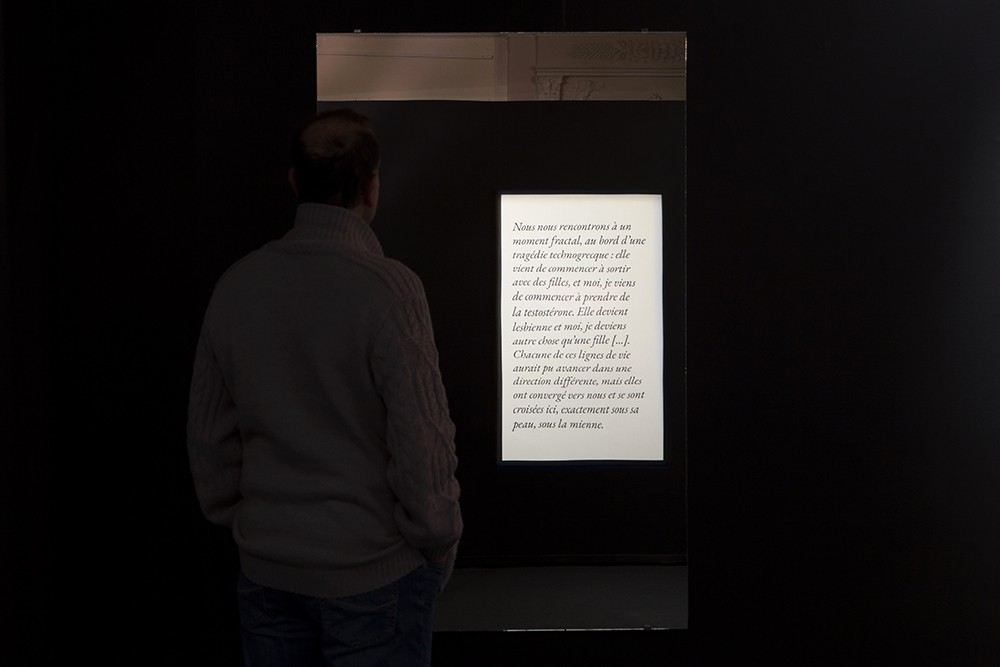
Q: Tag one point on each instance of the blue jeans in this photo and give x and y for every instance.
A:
(388, 626)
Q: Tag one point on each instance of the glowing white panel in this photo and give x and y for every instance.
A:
(581, 327)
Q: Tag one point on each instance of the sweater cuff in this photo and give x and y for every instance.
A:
(443, 557)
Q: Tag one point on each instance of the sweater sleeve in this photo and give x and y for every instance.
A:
(215, 449)
(420, 434)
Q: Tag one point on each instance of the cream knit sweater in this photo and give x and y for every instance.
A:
(318, 427)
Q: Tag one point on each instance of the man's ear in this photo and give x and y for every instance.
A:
(292, 182)
(370, 191)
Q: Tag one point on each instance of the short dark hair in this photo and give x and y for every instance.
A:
(334, 154)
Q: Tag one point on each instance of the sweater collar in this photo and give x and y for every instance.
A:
(322, 222)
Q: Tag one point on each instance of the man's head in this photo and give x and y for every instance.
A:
(335, 160)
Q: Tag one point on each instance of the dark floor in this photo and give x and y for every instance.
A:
(600, 597)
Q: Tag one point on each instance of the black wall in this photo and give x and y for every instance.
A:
(843, 216)
(443, 165)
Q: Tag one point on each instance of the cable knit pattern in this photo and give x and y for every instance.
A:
(318, 426)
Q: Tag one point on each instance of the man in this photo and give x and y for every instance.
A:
(318, 427)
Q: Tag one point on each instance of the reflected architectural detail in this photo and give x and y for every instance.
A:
(548, 87)
(499, 67)
(582, 89)
(662, 51)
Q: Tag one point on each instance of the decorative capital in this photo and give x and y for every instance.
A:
(548, 87)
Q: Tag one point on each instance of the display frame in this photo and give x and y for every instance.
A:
(574, 202)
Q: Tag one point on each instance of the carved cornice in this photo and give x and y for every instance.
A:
(630, 50)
